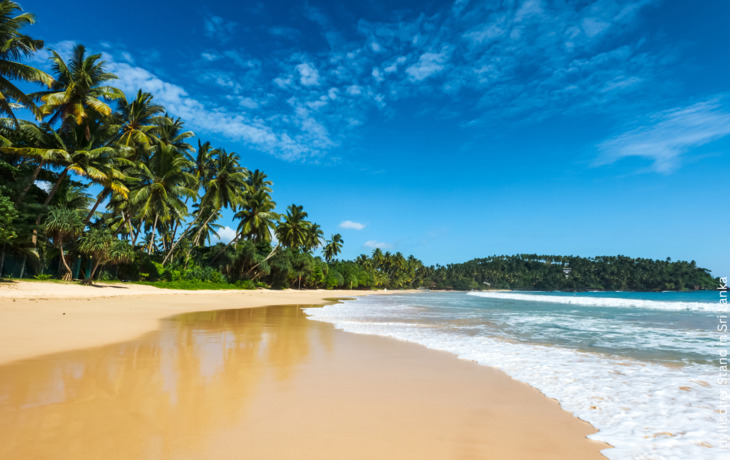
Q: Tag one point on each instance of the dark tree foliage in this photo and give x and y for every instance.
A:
(571, 273)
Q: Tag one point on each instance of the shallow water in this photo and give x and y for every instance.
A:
(641, 367)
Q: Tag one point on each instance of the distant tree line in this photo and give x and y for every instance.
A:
(571, 273)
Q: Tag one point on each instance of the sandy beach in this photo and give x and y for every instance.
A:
(123, 371)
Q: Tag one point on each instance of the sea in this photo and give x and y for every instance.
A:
(645, 369)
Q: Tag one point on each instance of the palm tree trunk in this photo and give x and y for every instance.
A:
(271, 254)
(202, 227)
(69, 273)
(152, 240)
(139, 230)
(22, 266)
(90, 280)
(196, 240)
(37, 171)
(235, 238)
(99, 197)
(182, 235)
(53, 191)
(2, 260)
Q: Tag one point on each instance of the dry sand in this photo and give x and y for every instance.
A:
(257, 383)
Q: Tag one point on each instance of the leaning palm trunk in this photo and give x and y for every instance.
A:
(30, 183)
(99, 197)
(50, 196)
(53, 191)
(196, 239)
(271, 254)
(68, 276)
(152, 240)
(182, 235)
(90, 279)
(2, 261)
(235, 238)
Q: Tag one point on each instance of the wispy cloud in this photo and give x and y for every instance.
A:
(665, 137)
(351, 225)
(276, 136)
(475, 60)
(217, 28)
(372, 244)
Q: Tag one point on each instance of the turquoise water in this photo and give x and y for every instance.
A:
(641, 367)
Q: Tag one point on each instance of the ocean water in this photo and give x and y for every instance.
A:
(643, 368)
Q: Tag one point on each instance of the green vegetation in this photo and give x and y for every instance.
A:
(156, 202)
(569, 273)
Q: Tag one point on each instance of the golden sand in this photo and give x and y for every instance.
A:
(260, 383)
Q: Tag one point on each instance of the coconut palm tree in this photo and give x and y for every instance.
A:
(170, 131)
(315, 235)
(37, 143)
(333, 247)
(224, 181)
(293, 230)
(139, 121)
(79, 90)
(224, 187)
(62, 224)
(164, 183)
(15, 46)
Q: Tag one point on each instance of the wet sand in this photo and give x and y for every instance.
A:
(39, 318)
(268, 383)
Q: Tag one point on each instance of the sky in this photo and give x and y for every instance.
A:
(449, 130)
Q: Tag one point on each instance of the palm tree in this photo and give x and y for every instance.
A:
(170, 131)
(224, 181)
(62, 224)
(139, 117)
(16, 46)
(36, 143)
(257, 217)
(315, 235)
(224, 187)
(333, 247)
(293, 230)
(104, 248)
(164, 183)
(79, 90)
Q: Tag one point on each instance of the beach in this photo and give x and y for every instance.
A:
(133, 372)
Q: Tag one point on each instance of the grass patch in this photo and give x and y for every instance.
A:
(192, 285)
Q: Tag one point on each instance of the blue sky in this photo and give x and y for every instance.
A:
(450, 130)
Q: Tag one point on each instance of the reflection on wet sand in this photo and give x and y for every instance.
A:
(152, 397)
(267, 383)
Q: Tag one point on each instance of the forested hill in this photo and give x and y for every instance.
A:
(569, 273)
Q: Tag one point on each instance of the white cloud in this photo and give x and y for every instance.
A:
(226, 234)
(351, 225)
(308, 75)
(210, 56)
(665, 137)
(428, 65)
(216, 27)
(377, 245)
(271, 136)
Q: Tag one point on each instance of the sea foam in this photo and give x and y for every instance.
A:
(644, 410)
(602, 301)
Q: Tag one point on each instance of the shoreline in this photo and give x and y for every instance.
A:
(40, 318)
(35, 327)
